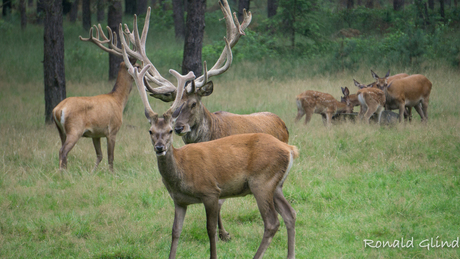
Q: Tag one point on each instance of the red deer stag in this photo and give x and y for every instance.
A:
(310, 102)
(195, 123)
(93, 117)
(412, 91)
(232, 166)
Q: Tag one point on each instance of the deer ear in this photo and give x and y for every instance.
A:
(374, 75)
(388, 73)
(345, 91)
(357, 84)
(206, 89)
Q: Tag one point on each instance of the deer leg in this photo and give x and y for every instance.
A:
(324, 118)
(97, 147)
(223, 234)
(289, 216)
(308, 114)
(269, 216)
(211, 204)
(408, 114)
(379, 111)
(425, 108)
(300, 113)
(420, 112)
(69, 143)
(402, 108)
(179, 216)
(371, 108)
(110, 150)
(328, 119)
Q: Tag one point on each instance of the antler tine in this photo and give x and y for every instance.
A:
(234, 31)
(98, 42)
(139, 42)
(139, 79)
(181, 81)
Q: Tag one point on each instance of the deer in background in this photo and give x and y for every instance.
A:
(412, 91)
(195, 123)
(310, 102)
(371, 100)
(93, 117)
(232, 166)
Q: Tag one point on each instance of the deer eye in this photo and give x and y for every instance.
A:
(193, 105)
(150, 132)
(171, 131)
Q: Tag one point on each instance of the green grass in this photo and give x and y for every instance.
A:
(350, 183)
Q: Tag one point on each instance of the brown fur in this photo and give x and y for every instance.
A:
(371, 100)
(310, 102)
(409, 92)
(93, 117)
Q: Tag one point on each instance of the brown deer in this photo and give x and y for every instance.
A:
(195, 123)
(93, 117)
(412, 91)
(381, 82)
(310, 102)
(228, 167)
(371, 100)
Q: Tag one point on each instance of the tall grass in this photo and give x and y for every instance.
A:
(352, 182)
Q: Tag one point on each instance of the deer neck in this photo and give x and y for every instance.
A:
(341, 107)
(122, 87)
(201, 131)
(167, 165)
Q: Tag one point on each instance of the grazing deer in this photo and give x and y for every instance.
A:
(310, 102)
(233, 166)
(93, 117)
(372, 100)
(412, 91)
(196, 123)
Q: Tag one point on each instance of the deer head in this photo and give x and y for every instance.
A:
(380, 82)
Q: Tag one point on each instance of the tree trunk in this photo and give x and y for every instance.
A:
(130, 7)
(272, 7)
(443, 15)
(40, 11)
(178, 15)
(194, 32)
(86, 14)
(242, 4)
(113, 20)
(53, 62)
(6, 8)
(142, 7)
(431, 4)
(398, 5)
(100, 11)
(74, 11)
(22, 11)
(350, 4)
(66, 6)
(30, 3)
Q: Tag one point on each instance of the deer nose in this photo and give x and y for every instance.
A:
(178, 129)
(159, 148)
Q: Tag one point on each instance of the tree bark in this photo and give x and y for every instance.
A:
(40, 11)
(113, 20)
(398, 5)
(74, 11)
(443, 15)
(100, 15)
(194, 32)
(179, 25)
(242, 4)
(272, 7)
(86, 14)
(53, 62)
(22, 11)
(142, 7)
(6, 11)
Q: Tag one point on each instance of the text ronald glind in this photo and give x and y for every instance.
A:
(428, 243)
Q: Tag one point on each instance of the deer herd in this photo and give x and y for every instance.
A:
(227, 155)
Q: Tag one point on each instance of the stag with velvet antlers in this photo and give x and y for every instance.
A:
(228, 167)
(195, 123)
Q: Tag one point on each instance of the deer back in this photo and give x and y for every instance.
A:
(318, 101)
(408, 89)
(367, 95)
(226, 165)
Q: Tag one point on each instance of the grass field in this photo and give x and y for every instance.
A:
(351, 183)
